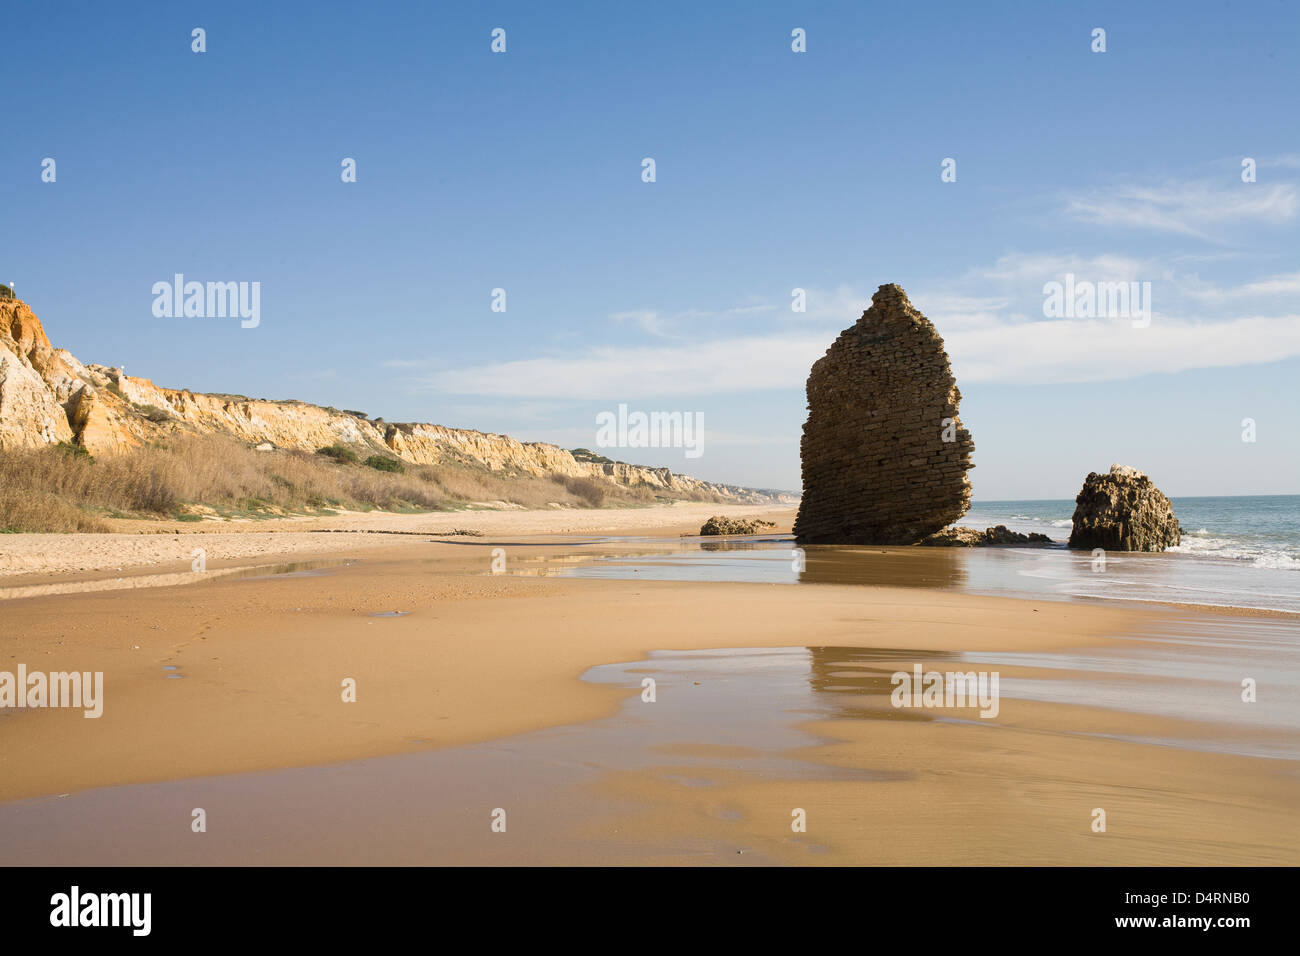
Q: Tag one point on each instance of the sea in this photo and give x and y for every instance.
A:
(1240, 551)
(1262, 531)
(1236, 552)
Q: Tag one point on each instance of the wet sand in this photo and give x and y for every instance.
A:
(472, 698)
(160, 547)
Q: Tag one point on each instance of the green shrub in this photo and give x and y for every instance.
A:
(382, 463)
(589, 490)
(6, 292)
(154, 413)
(586, 454)
(75, 451)
(339, 453)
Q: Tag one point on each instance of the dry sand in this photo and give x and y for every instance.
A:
(480, 657)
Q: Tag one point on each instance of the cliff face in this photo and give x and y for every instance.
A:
(47, 396)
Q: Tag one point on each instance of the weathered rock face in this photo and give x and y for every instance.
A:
(720, 525)
(960, 536)
(47, 396)
(884, 454)
(30, 371)
(1123, 511)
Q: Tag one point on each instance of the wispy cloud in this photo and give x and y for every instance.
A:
(586, 438)
(623, 373)
(991, 317)
(1100, 350)
(1021, 353)
(1030, 270)
(1287, 284)
(1178, 287)
(688, 322)
(1187, 208)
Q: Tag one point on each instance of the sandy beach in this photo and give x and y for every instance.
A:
(745, 437)
(168, 546)
(234, 681)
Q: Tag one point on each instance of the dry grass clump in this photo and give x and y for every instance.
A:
(28, 509)
(590, 491)
(61, 488)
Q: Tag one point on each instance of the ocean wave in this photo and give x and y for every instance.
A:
(1278, 562)
(1203, 545)
(1032, 519)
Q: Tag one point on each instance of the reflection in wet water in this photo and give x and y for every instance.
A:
(859, 678)
(294, 569)
(1054, 573)
(738, 544)
(926, 568)
(1051, 572)
(190, 576)
(753, 693)
(768, 560)
(717, 716)
(750, 701)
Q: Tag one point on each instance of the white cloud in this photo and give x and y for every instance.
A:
(843, 303)
(991, 318)
(1287, 284)
(1274, 285)
(1188, 208)
(585, 438)
(1025, 353)
(1101, 350)
(1177, 288)
(648, 320)
(1031, 270)
(681, 324)
(624, 373)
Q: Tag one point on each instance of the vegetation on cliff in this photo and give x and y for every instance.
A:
(48, 397)
(62, 488)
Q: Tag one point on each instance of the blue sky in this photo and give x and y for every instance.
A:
(775, 170)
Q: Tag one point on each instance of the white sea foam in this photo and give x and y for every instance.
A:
(1203, 544)
(1278, 561)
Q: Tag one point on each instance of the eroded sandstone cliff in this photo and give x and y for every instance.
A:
(47, 396)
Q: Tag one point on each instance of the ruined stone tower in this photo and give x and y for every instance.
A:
(884, 454)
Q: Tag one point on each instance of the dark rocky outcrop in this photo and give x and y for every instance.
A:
(721, 525)
(960, 536)
(884, 454)
(1123, 511)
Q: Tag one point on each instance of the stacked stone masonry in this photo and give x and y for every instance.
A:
(885, 456)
